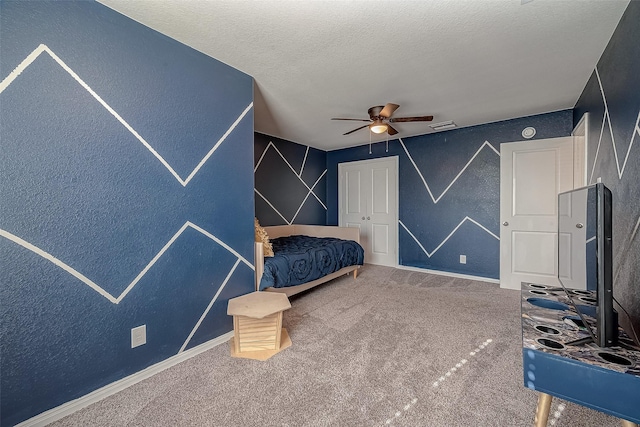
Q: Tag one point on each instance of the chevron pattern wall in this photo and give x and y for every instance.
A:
(290, 182)
(125, 200)
(612, 100)
(449, 191)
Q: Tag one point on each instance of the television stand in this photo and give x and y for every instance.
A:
(560, 361)
(544, 407)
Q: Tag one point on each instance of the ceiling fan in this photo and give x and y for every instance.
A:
(380, 118)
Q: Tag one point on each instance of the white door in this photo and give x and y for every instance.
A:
(368, 199)
(572, 238)
(532, 173)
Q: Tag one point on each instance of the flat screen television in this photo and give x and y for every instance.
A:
(585, 262)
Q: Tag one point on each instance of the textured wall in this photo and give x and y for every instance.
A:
(290, 182)
(612, 99)
(122, 201)
(449, 191)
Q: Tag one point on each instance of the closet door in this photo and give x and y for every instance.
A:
(368, 200)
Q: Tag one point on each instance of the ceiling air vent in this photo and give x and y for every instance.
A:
(443, 125)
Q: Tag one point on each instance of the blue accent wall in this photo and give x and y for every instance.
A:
(449, 191)
(118, 195)
(290, 182)
(612, 99)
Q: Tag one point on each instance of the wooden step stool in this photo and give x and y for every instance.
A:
(257, 325)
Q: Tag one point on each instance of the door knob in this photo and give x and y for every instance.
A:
(579, 225)
(363, 218)
(368, 218)
(505, 223)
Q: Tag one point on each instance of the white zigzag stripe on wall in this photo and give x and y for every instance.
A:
(43, 48)
(307, 196)
(272, 207)
(606, 119)
(436, 200)
(299, 207)
(99, 289)
(206, 311)
(298, 175)
(430, 254)
(304, 161)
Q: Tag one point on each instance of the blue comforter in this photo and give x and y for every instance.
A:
(301, 259)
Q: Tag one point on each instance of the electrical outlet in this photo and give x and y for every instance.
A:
(463, 259)
(138, 336)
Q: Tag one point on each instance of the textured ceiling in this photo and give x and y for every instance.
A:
(469, 61)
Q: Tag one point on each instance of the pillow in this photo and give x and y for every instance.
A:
(262, 236)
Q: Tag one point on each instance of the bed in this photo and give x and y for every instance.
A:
(296, 247)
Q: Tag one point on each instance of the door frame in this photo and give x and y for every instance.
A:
(580, 135)
(396, 162)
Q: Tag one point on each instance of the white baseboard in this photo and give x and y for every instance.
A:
(446, 273)
(72, 406)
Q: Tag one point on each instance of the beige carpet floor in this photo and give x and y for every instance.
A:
(394, 347)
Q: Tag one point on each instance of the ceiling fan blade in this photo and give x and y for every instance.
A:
(388, 110)
(357, 120)
(411, 119)
(351, 131)
(390, 130)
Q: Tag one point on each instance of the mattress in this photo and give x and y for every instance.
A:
(300, 259)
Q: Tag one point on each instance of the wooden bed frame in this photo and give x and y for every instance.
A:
(346, 233)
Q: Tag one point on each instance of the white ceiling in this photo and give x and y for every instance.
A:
(471, 61)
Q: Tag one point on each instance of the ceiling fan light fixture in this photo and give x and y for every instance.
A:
(378, 127)
(380, 120)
